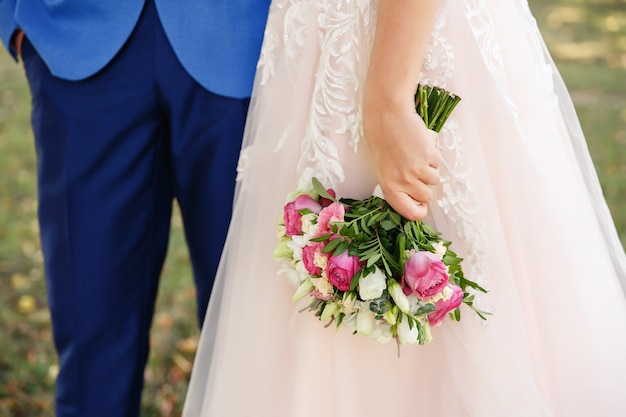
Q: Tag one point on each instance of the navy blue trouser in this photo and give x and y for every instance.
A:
(113, 151)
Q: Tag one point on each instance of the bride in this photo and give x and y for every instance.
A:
(509, 181)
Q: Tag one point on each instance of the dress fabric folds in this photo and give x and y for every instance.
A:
(519, 199)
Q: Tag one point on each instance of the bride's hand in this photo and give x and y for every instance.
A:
(405, 156)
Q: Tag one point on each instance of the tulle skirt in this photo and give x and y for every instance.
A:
(519, 199)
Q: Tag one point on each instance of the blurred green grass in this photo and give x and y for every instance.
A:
(587, 39)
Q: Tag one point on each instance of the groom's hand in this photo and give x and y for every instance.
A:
(16, 42)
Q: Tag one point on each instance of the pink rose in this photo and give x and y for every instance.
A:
(425, 275)
(305, 201)
(308, 257)
(443, 307)
(325, 202)
(341, 269)
(293, 220)
(334, 212)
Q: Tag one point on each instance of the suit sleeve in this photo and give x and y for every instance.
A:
(8, 25)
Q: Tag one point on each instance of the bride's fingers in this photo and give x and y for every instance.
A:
(430, 176)
(406, 206)
(420, 192)
(417, 190)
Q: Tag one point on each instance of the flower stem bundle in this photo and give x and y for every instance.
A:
(434, 105)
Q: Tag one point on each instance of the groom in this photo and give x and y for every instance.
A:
(134, 103)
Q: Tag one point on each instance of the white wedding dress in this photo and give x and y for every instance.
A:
(519, 198)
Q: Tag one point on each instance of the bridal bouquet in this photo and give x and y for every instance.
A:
(367, 268)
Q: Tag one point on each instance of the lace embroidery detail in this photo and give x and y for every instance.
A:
(335, 107)
(297, 22)
(438, 59)
(266, 67)
(483, 28)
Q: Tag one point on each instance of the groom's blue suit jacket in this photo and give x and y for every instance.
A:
(217, 41)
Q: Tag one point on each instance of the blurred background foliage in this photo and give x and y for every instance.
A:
(587, 39)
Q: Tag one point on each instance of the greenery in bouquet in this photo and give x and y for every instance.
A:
(365, 267)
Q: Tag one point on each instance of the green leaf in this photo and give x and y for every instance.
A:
(386, 265)
(467, 283)
(387, 224)
(321, 238)
(355, 279)
(332, 245)
(396, 218)
(425, 309)
(373, 259)
(427, 229)
(340, 317)
(408, 231)
(365, 227)
(371, 250)
(341, 248)
(374, 218)
(421, 336)
(401, 239)
(319, 188)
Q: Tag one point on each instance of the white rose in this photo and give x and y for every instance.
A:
(349, 321)
(313, 228)
(296, 249)
(406, 335)
(323, 285)
(308, 220)
(300, 241)
(348, 303)
(320, 260)
(440, 249)
(292, 276)
(299, 267)
(414, 303)
(373, 285)
(447, 292)
(382, 333)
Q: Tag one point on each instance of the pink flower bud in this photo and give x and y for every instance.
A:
(425, 275)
